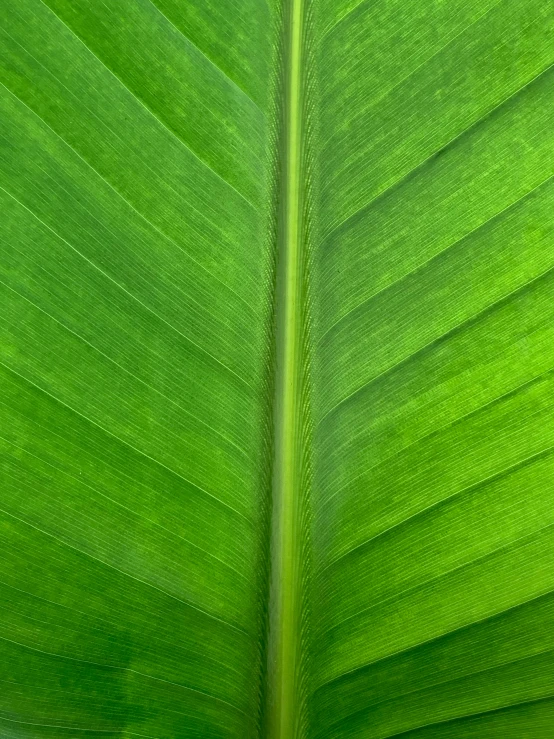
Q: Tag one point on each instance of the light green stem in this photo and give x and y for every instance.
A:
(284, 644)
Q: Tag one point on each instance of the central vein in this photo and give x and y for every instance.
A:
(284, 646)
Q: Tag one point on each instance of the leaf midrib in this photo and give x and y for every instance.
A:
(285, 624)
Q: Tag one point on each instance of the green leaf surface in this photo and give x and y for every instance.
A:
(433, 388)
(277, 369)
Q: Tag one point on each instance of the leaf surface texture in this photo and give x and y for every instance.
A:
(147, 205)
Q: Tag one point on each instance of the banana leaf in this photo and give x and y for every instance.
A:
(277, 369)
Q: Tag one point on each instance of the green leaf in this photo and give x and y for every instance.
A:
(136, 291)
(433, 334)
(277, 369)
